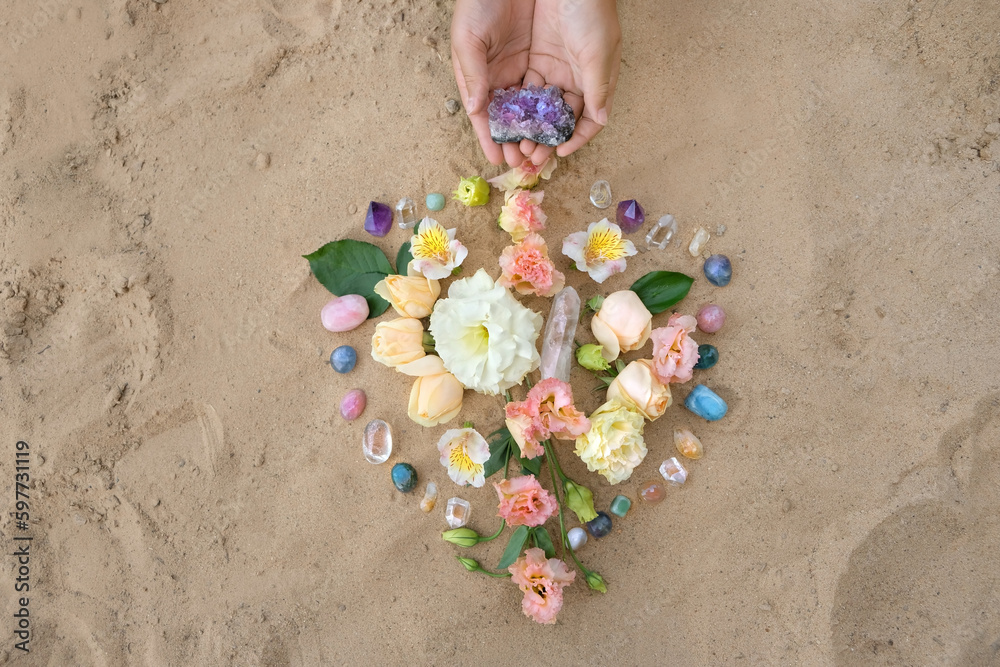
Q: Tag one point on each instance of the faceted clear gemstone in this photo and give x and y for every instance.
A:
(457, 512)
(577, 537)
(407, 211)
(630, 215)
(378, 219)
(557, 345)
(662, 232)
(600, 194)
(700, 238)
(652, 492)
(687, 444)
(376, 443)
(620, 506)
(673, 471)
(430, 497)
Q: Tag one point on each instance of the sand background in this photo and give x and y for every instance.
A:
(197, 499)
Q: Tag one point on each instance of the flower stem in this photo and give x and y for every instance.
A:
(551, 458)
(503, 524)
(498, 575)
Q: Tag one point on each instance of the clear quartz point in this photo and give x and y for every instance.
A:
(662, 232)
(557, 346)
(600, 194)
(701, 237)
(673, 471)
(407, 213)
(376, 443)
(456, 513)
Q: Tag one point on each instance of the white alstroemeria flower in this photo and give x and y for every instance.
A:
(600, 251)
(463, 453)
(435, 251)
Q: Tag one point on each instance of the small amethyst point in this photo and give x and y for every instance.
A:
(538, 114)
(378, 220)
(630, 215)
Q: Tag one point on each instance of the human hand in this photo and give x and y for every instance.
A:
(576, 45)
(490, 42)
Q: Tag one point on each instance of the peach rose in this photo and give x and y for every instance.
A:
(410, 296)
(399, 341)
(523, 501)
(674, 351)
(638, 387)
(622, 324)
(436, 396)
(541, 580)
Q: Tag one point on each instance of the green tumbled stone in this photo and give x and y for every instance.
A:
(620, 506)
(435, 201)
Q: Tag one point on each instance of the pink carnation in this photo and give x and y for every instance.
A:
(541, 580)
(547, 412)
(522, 213)
(674, 352)
(523, 501)
(526, 267)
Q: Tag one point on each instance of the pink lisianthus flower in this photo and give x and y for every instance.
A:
(525, 176)
(523, 501)
(674, 351)
(522, 213)
(526, 267)
(547, 412)
(541, 580)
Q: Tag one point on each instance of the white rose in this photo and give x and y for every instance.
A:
(483, 335)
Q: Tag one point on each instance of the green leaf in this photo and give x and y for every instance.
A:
(514, 547)
(403, 258)
(543, 541)
(658, 290)
(533, 466)
(352, 267)
(500, 451)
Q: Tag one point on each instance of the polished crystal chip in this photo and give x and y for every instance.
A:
(430, 497)
(700, 239)
(662, 232)
(376, 443)
(457, 512)
(407, 213)
(600, 194)
(378, 219)
(673, 471)
(687, 443)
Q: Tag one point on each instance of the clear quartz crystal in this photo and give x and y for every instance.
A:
(662, 232)
(557, 346)
(376, 443)
(430, 497)
(700, 238)
(673, 471)
(457, 512)
(407, 213)
(600, 194)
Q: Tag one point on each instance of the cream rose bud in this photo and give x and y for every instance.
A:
(399, 341)
(410, 296)
(435, 399)
(622, 324)
(637, 387)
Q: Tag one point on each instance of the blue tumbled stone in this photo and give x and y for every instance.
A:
(708, 356)
(404, 477)
(706, 403)
(600, 526)
(718, 270)
(343, 359)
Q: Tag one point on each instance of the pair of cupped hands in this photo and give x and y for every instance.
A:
(572, 44)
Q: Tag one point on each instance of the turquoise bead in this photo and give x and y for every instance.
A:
(404, 477)
(435, 201)
(706, 403)
(620, 506)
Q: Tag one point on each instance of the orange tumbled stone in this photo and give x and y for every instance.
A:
(652, 492)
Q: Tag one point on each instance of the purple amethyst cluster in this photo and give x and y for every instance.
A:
(535, 113)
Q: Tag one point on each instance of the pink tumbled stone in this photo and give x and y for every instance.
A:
(711, 318)
(344, 313)
(353, 404)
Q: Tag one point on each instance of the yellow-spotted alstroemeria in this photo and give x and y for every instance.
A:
(436, 252)
(463, 453)
(600, 251)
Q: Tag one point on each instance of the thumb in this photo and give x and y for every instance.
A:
(471, 57)
(598, 87)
